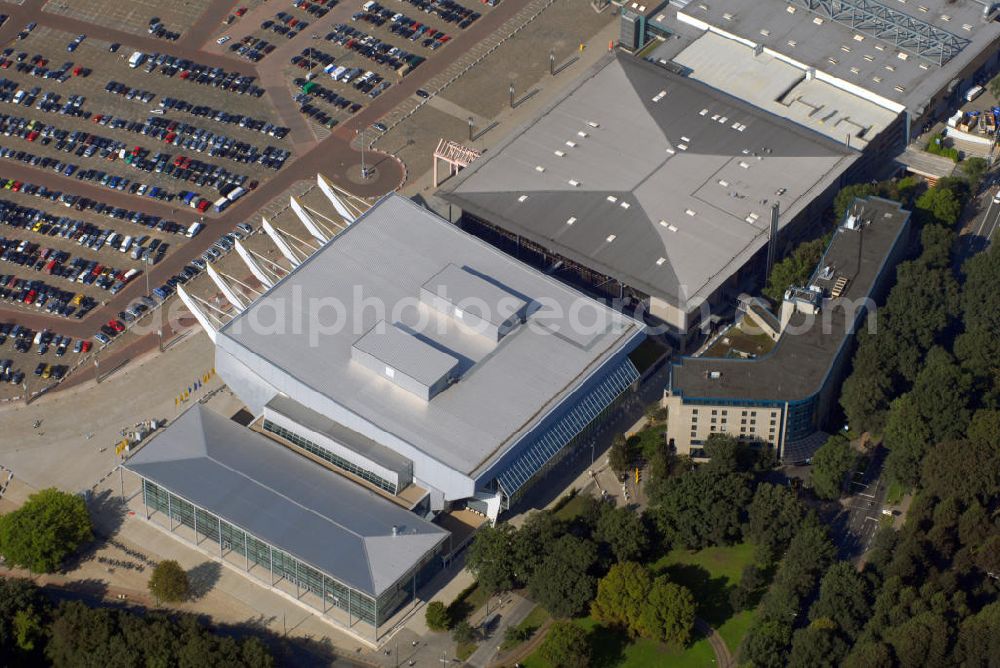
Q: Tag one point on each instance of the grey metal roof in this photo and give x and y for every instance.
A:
(359, 443)
(375, 270)
(649, 177)
(822, 44)
(798, 364)
(784, 89)
(474, 294)
(402, 351)
(286, 500)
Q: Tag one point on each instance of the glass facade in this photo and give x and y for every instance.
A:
(801, 420)
(283, 566)
(565, 430)
(327, 456)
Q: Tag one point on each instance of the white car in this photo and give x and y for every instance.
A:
(996, 198)
(222, 40)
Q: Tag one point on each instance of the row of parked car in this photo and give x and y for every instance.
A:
(374, 49)
(128, 92)
(38, 67)
(50, 102)
(312, 89)
(252, 48)
(448, 10)
(27, 217)
(402, 25)
(42, 295)
(200, 140)
(188, 70)
(203, 111)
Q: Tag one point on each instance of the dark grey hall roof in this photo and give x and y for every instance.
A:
(286, 500)
(798, 365)
(652, 178)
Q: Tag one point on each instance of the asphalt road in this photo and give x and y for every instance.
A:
(333, 156)
(978, 233)
(855, 529)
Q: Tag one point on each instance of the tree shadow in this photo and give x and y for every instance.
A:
(202, 578)
(711, 595)
(107, 511)
(607, 647)
(88, 589)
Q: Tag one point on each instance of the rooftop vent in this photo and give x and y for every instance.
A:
(522, 198)
(612, 199)
(624, 205)
(581, 133)
(818, 21)
(715, 375)
(539, 168)
(559, 154)
(405, 360)
(689, 212)
(660, 261)
(476, 302)
(703, 112)
(573, 182)
(593, 124)
(571, 220)
(571, 144)
(790, 9)
(611, 237)
(659, 96)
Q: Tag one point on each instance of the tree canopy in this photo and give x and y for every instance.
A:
(169, 582)
(49, 527)
(566, 646)
(830, 465)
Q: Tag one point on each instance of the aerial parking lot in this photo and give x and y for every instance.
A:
(136, 142)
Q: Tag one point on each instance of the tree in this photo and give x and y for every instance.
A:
(766, 644)
(49, 527)
(941, 396)
(974, 168)
(746, 593)
(795, 269)
(702, 508)
(463, 633)
(869, 655)
(621, 455)
(772, 520)
(816, 647)
(437, 616)
(668, 613)
(624, 532)
(621, 595)
(28, 629)
(846, 196)
(907, 437)
(964, 470)
(843, 599)
(978, 642)
(534, 541)
(562, 584)
(169, 582)
(830, 465)
(921, 641)
(493, 559)
(566, 646)
(16, 595)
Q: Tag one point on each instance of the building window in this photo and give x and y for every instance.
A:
(743, 421)
(330, 457)
(715, 412)
(714, 420)
(693, 434)
(744, 413)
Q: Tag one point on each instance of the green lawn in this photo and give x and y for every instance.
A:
(572, 508)
(895, 493)
(529, 625)
(709, 573)
(649, 439)
(614, 650)
(735, 628)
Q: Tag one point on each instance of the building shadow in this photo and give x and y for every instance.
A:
(202, 578)
(711, 594)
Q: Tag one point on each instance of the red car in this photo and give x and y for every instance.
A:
(203, 205)
(116, 325)
(241, 11)
(85, 347)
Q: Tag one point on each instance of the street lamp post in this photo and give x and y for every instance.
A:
(510, 90)
(552, 63)
(149, 268)
(470, 128)
(364, 168)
